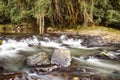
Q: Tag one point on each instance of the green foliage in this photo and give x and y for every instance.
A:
(113, 17)
(2, 7)
(41, 7)
(21, 10)
(59, 12)
(78, 27)
(106, 12)
(98, 15)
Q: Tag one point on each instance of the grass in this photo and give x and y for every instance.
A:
(109, 34)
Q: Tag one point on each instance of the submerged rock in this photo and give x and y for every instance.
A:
(93, 41)
(38, 59)
(12, 63)
(61, 57)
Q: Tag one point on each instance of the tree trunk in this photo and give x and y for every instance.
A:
(88, 18)
(40, 23)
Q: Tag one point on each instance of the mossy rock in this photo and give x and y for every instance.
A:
(1, 42)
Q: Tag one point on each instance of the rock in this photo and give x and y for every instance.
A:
(38, 59)
(9, 75)
(61, 57)
(45, 68)
(2, 69)
(93, 41)
(15, 76)
(106, 55)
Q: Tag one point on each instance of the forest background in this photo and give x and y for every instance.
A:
(61, 13)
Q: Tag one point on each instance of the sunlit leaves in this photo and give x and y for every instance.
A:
(41, 7)
(2, 7)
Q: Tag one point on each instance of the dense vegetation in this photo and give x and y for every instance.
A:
(61, 13)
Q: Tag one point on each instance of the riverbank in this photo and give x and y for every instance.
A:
(108, 34)
(23, 28)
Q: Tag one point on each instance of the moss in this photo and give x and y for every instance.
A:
(1, 42)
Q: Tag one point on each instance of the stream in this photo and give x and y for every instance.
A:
(88, 63)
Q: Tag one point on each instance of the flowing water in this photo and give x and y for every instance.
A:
(15, 49)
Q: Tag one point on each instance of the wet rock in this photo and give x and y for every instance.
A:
(104, 55)
(45, 68)
(9, 75)
(61, 57)
(116, 72)
(2, 69)
(38, 59)
(16, 76)
(92, 41)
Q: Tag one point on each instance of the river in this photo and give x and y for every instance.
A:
(88, 63)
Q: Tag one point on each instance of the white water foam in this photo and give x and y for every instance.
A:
(51, 44)
(74, 43)
(11, 47)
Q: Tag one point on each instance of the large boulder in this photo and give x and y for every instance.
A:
(92, 41)
(38, 59)
(61, 57)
